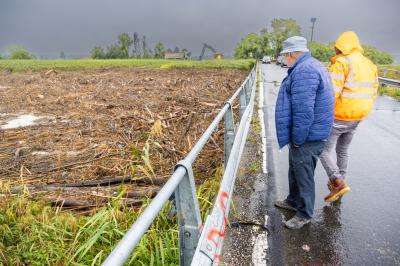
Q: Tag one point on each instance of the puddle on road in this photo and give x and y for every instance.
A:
(11, 121)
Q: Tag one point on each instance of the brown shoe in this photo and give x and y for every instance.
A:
(338, 189)
(330, 184)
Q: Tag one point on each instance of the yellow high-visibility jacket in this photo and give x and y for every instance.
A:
(355, 79)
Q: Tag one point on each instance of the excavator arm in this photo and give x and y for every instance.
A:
(206, 46)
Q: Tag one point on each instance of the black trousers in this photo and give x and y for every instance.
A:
(302, 163)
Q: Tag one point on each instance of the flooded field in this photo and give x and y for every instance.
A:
(72, 137)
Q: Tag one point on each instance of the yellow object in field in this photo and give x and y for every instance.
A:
(218, 56)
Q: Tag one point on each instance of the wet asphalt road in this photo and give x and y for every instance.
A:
(364, 228)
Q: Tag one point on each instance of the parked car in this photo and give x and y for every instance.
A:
(280, 61)
(266, 60)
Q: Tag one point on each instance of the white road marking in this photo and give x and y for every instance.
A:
(261, 118)
(260, 240)
(260, 246)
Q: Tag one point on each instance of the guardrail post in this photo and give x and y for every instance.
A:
(188, 211)
(229, 134)
(243, 102)
(253, 78)
(247, 88)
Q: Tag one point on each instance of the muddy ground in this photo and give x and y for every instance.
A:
(96, 128)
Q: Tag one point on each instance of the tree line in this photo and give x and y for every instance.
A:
(126, 47)
(139, 45)
(256, 45)
(324, 53)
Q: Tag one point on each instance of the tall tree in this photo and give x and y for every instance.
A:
(176, 50)
(281, 30)
(149, 53)
(115, 51)
(98, 53)
(18, 52)
(124, 41)
(323, 52)
(249, 47)
(136, 53)
(265, 42)
(376, 56)
(186, 53)
(146, 50)
(159, 50)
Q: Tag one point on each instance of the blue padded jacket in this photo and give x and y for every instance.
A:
(305, 105)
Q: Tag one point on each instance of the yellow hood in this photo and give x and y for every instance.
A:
(348, 42)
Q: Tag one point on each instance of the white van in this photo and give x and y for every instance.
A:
(266, 60)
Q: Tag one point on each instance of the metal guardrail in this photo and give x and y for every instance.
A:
(391, 82)
(208, 251)
(198, 245)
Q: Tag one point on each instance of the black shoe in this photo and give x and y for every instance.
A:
(284, 205)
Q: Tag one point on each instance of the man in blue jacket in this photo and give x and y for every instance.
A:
(303, 118)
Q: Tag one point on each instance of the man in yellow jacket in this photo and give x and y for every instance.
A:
(355, 81)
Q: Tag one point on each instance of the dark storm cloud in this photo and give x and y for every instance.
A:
(47, 27)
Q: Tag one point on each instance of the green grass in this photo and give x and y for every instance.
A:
(89, 64)
(254, 167)
(33, 233)
(395, 67)
(390, 91)
(392, 72)
(389, 71)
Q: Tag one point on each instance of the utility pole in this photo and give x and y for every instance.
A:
(312, 28)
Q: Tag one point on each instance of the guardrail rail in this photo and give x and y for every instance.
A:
(198, 244)
(390, 82)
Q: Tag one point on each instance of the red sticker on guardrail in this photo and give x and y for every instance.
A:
(214, 233)
(223, 196)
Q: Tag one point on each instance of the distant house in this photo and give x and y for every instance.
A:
(180, 55)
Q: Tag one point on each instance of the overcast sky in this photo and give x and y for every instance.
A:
(47, 27)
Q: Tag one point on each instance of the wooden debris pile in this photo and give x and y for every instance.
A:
(130, 125)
